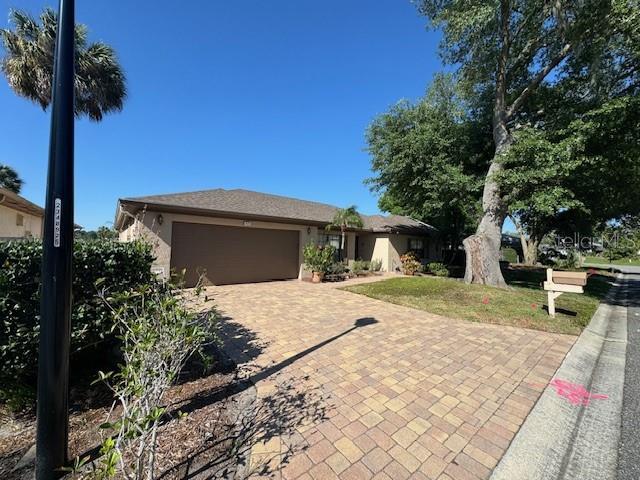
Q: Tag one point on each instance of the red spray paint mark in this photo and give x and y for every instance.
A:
(485, 300)
(575, 393)
(534, 306)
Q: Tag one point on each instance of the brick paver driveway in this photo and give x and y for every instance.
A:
(402, 393)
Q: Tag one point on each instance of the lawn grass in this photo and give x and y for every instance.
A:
(520, 306)
(620, 261)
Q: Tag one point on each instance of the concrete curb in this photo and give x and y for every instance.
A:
(560, 440)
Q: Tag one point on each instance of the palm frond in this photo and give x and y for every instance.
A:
(9, 179)
(100, 82)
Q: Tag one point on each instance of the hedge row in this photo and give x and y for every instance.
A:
(123, 266)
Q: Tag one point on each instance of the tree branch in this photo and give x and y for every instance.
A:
(533, 45)
(501, 81)
(526, 53)
(537, 80)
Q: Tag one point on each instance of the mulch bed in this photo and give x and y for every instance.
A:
(201, 441)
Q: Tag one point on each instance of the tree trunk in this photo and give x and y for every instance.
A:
(342, 235)
(529, 244)
(530, 250)
(483, 248)
(532, 253)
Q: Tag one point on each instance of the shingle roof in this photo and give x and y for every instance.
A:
(256, 204)
(16, 202)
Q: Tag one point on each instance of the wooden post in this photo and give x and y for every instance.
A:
(551, 299)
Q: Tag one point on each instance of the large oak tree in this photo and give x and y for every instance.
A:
(428, 158)
(506, 50)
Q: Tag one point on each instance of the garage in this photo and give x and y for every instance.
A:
(225, 255)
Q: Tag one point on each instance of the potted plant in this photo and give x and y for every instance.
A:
(318, 260)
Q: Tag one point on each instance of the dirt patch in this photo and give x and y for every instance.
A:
(203, 440)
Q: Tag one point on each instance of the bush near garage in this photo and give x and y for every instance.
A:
(360, 267)
(410, 263)
(438, 269)
(122, 266)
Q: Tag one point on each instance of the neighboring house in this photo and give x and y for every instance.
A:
(19, 218)
(239, 236)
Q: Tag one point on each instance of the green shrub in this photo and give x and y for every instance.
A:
(573, 261)
(337, 268)
(159, 332)
(123, 266)
(376, 265)
(358, 267)
(318, 259)
(509, 255)
(410, 263)
(438, 269)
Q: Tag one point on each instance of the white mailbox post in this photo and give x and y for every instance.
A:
(563, 282)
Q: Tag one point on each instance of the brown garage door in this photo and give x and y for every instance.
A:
(233, 254)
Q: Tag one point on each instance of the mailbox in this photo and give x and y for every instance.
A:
(562, 282)
(569, 278)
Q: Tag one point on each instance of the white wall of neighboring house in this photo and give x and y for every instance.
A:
(16, 224)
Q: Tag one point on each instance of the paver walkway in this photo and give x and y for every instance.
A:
(381, 391)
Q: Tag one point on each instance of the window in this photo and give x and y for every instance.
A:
(416, 245)
(19, 220)
(329, 239)
(334, 241)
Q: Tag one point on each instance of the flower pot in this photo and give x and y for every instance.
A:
(317, 277)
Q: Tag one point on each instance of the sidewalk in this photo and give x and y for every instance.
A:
(574, 430)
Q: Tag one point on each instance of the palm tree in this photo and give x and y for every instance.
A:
(9, 179)
(343, 219)
(28, 65)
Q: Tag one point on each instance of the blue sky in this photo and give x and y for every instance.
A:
(273, 96)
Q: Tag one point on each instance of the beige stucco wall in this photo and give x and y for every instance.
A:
(386, 247)
(159, 234)
(31, 225)
(399, 244)
(389, 247)
(374, 247)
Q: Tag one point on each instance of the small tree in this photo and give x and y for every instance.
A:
(159, 332)
(9, 179)
(343, 219)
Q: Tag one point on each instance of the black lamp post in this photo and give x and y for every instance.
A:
(55, 307)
